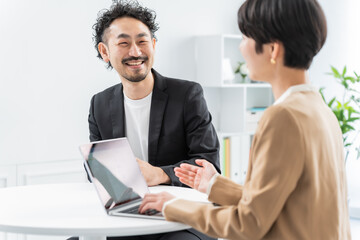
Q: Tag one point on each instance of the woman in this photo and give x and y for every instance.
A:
(296, 184)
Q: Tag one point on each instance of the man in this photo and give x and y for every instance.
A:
(295, 186)
(165, 120)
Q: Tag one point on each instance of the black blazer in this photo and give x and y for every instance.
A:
(180, 128)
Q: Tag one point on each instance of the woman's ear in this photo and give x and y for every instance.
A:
(104, 52)
(275, 50)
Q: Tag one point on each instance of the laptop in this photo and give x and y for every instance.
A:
(117, 177)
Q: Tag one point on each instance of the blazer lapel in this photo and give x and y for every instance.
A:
(158, 106)
(117, 112)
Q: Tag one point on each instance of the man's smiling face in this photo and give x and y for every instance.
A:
(130, 48)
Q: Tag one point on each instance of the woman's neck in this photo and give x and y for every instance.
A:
(286, 78)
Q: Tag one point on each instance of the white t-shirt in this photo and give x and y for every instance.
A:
(137, 117)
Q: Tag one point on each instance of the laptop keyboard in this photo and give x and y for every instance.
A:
(132, 210)
(151, 212)
(135, 209)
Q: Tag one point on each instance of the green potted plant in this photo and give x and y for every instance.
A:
(347, 109)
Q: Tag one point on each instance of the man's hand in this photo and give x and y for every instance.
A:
(153, 175)
(154, 201)
(194, 176)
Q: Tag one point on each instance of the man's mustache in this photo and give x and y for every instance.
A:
(142, 58)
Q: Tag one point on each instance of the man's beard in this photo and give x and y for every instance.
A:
(137, 77)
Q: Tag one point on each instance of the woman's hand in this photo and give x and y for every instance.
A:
(154, 201)
(194, 176)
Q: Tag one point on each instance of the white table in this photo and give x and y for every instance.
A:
(75, 210)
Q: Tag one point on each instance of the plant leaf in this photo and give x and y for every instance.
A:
(339, 105)
(357, 76)
(341, 115)
(335, 72)
(322, 94)
(331, 101)
(345, 84)
(351, 79)
(353, 119)
(347, 108)
(350, 127)
(344, 71)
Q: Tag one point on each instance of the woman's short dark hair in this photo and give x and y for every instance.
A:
(122, 8)
(300, 25)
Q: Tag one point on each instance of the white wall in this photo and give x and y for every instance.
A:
(49, 69)
(180, 21)
(48, 74)
(341, 47)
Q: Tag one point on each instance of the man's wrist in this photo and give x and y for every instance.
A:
(164, 178)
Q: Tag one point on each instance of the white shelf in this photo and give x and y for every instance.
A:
(210, 53)
(228, 101)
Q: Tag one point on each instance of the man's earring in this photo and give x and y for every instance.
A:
(272, 61)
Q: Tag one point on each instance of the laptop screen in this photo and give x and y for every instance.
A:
(114, 171)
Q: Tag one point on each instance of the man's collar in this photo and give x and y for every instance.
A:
(159, 80)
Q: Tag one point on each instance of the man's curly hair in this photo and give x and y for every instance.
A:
(122, 8)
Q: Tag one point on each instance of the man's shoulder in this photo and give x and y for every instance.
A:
(110, 91)
(174, 84)
(181, 85)
(176, 81)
